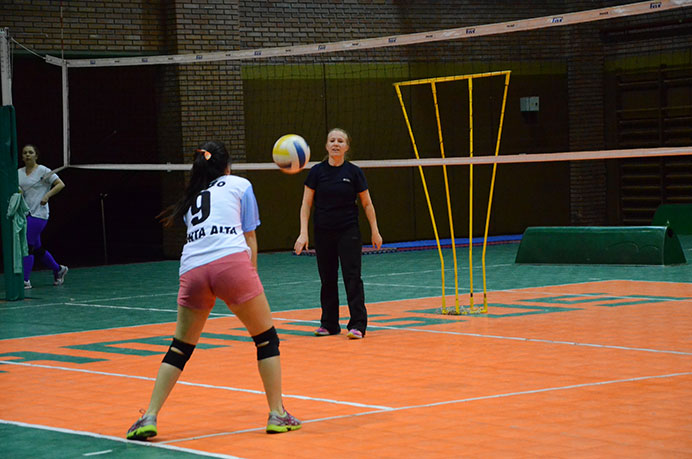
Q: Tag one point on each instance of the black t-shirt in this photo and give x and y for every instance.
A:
(336, 190)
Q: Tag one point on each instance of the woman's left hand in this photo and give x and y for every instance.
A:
(377, 240)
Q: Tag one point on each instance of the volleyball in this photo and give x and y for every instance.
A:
(291, 153)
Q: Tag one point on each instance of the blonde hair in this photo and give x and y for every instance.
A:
(348, 141)
(343, 131)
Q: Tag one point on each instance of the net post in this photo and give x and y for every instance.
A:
(427, 195)
(470, 87)
(5, 66)
(65, 116)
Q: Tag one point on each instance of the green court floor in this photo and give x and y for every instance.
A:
(113, 296)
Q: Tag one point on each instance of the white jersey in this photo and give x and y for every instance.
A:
(217, 220)
(34, 186)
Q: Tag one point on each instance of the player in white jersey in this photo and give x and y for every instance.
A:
(38, 184)
(217, 221)
(219, 260)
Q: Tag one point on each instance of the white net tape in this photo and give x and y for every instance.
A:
(424, 162)
(579, 17)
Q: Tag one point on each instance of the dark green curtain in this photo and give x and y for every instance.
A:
(14, 285)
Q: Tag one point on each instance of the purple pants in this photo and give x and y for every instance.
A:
(34, 228)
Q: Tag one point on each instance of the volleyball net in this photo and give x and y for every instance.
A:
(587, 86)
(264, 93)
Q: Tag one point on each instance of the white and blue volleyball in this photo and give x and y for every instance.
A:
(291, 153)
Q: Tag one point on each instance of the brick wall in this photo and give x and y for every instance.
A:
(197, 102)
(203, 101)
(88, 27)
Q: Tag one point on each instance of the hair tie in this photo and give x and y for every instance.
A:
(207, 155)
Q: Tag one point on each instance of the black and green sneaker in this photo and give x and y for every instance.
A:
(144, 428)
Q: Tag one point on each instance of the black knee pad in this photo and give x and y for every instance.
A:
(176, 359)
(37, 251)
(267, 344)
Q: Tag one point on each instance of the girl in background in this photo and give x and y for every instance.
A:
(38, 184)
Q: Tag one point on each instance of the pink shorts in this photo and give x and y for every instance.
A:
(232, 278)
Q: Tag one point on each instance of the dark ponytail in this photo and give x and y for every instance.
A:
(210, 162)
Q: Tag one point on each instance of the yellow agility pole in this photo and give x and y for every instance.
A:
(449, 201)
(451, 78)
(492, 188)
(433, 82)
(425, 190)
(471, 195)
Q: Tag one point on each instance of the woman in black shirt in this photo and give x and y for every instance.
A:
(333, 186)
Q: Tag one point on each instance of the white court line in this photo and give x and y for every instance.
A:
(220, 315)
(88, 301)
(185, 383)
(511, 338)
(619, 297)
(106, 306)
(161, 445)
(512, 290)
(450, 402)
(174, 311)
(417, 287)
(605, 295)
(88, 331)
(407, 273)
(98, 453)
(27, 306)
(149, 295)
(426, 271)
(533, 292)
(269, 284)
(530, 340)
(547, 389)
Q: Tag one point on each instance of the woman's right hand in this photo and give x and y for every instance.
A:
(301, 243)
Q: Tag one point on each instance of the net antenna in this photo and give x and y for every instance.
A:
(466, 32)
(433, 82)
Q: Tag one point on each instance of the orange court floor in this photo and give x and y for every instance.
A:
(571, 361)
(598, 368)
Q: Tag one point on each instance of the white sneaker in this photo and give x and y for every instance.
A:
(27, 284)
(60, 275)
